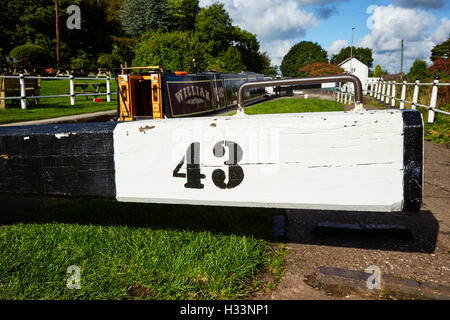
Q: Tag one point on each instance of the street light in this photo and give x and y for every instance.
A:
(351, 52)
(351, 48)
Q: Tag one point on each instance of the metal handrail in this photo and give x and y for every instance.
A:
(303, 80)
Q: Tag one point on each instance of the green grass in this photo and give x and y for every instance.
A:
(293, 105)
(438, 131)
(56, 107)
(137, 251)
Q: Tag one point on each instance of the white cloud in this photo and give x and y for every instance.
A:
(390, 25)
(277, 49)
(442, 33)
(277, 23)
(336, 47)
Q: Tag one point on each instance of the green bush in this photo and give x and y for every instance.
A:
(30, 55)
(418, 69)
(106, 61)
(82, 61)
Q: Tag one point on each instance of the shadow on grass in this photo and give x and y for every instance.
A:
(387, 231)
(404, 232)
(255, 222)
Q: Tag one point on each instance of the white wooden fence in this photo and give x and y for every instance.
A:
(72, 94)
(387, 92)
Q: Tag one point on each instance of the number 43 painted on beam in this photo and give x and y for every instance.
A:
(194, 175)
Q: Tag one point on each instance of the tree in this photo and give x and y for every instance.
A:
(301, 54)
(123, 48)
(232, 59)
(171, 50)
(441, 50)
(440, 67)
(266, 68)
(33, 21)
(362, 54)
(228, 61)
(319, 69)
(418, 69)
(248, 45)
(184, 13)
(139, 16)
(377, 72)
(107, 60)
(213, 27)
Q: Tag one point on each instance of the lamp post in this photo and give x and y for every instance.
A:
(351, 53)
(351, 48)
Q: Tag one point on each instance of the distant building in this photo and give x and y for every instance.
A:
(355, 67)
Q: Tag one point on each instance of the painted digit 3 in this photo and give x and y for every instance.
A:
(235, 172)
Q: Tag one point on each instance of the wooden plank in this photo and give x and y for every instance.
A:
(359, 161)
(69, 159)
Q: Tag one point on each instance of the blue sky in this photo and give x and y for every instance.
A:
(379, 25)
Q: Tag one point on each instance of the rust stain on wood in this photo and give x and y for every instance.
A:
(142, 129)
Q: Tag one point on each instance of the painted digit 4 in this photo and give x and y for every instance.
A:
(194, 175)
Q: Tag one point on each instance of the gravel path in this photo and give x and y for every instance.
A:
(425, 258)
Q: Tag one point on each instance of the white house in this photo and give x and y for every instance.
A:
(357, 68)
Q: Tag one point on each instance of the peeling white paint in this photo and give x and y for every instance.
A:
(351, 161)
(61, 135)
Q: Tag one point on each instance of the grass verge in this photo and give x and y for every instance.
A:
(293, 105)
(56, 107)
(437, 132)
(137, 251)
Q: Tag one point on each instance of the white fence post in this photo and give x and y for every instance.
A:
(23, 93)
(375, 94)
(388, 91)
(378, 89)
(403, 96)
(72, 90)
(433, 100)
(393, 94)
(108, 90)
(383, 91)
(415, 94)
(373, 88)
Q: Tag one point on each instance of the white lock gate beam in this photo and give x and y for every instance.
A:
(362, 161)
